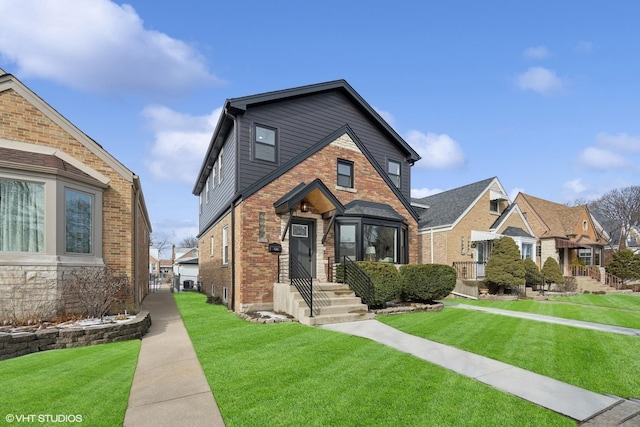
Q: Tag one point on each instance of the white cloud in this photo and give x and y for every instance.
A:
(538, 52)
(574, 189)
(541, 80)
(437, 151)
(597, 158)
(181, 142)
(619, 142)
(98, 46)
(387, 116)
(419, 193)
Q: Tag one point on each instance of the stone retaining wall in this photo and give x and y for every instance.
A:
(20, 343)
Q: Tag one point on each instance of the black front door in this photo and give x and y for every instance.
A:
(302, 247)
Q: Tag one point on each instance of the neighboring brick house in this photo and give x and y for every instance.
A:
(64, 203)
(457, 227)
(563, 232)
(303, 175)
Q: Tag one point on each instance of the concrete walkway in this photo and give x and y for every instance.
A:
(550, 319)
(169, 387)
(557, 396)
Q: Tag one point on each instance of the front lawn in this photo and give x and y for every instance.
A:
(602, 362)
(288, 374)
(91, 382)
(619, 310)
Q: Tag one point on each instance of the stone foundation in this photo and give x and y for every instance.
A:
(21, 343)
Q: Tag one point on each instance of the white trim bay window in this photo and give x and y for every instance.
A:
(78, 221)
(22, 216)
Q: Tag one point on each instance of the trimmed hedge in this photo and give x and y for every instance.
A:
(385, 279)
(427, 282)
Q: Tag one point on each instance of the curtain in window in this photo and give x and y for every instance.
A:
(21, 216)
(79, 222)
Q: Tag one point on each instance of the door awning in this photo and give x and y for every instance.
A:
(481, 236)
(316, 193)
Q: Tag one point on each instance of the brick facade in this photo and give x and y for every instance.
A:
(255, 268)
(125, 224)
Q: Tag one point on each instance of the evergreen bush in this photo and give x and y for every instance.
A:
(505, 267)
(551, 272)
(427, 282)
(385, 280)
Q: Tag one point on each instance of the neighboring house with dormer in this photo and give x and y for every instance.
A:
(65, 203)
(564, 233)
(304, 177)
(457, 227)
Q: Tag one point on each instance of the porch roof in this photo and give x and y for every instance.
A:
(481, 236)
(581, 243)
(316, 193)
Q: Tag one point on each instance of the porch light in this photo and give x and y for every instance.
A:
(304, 206)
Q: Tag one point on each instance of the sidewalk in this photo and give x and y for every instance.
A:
(549, 319)
(557, 396)
(169, 387)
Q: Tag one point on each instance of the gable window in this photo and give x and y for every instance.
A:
(494, 206)
(206, 192)
(345, 173)
(393, 169)
(264, 145)
(78, 222)
(21, 216)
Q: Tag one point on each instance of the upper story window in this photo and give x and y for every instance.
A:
(220, 166)
(21, 216)
(78, 222)
(345, 173)
(265, 144)
(494, 205)
(393, 169)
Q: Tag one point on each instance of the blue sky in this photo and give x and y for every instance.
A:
(544, 95)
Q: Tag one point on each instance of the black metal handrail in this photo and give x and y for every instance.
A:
(303, 281)
(358, 280)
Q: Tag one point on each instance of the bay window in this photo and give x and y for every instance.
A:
(21, 216)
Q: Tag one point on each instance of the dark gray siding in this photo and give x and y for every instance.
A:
(222, 194)
(303, 122)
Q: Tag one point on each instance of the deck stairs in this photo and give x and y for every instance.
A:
(332, 303)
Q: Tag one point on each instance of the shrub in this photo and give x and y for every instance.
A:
(427, 282)
(385, 280)
(551, 272)
(532, 273)
(505, 267)
(97, 289)
(625, 264)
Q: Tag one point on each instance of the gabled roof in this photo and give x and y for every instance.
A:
(516, 232)
(560, 220)
(448, 207)
(316, 192)
(512, 209)
(234, 106)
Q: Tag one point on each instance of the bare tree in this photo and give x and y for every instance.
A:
(189, 242)
(160, 243)
(620, 210)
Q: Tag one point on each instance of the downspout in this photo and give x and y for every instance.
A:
(137, 299)
(432, 258)
(233, 255)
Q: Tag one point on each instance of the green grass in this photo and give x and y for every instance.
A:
(93, 382)
(602, 362)
(288, 374)
(619, 310)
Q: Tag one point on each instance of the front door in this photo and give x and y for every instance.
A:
(302, 247)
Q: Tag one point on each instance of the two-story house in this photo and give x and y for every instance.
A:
(301, 176)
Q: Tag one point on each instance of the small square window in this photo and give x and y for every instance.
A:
(493, 205)
(345, 173)
(264, 147)
(393, 168)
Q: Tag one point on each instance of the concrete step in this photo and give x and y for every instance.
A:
(336, 309)
(623, 413)
(326, 319)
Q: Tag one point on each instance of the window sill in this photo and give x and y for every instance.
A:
(347, 189)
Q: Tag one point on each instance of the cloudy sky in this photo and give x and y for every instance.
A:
(544, 95)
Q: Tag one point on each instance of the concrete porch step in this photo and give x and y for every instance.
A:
(336, 309)
(326, 319)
